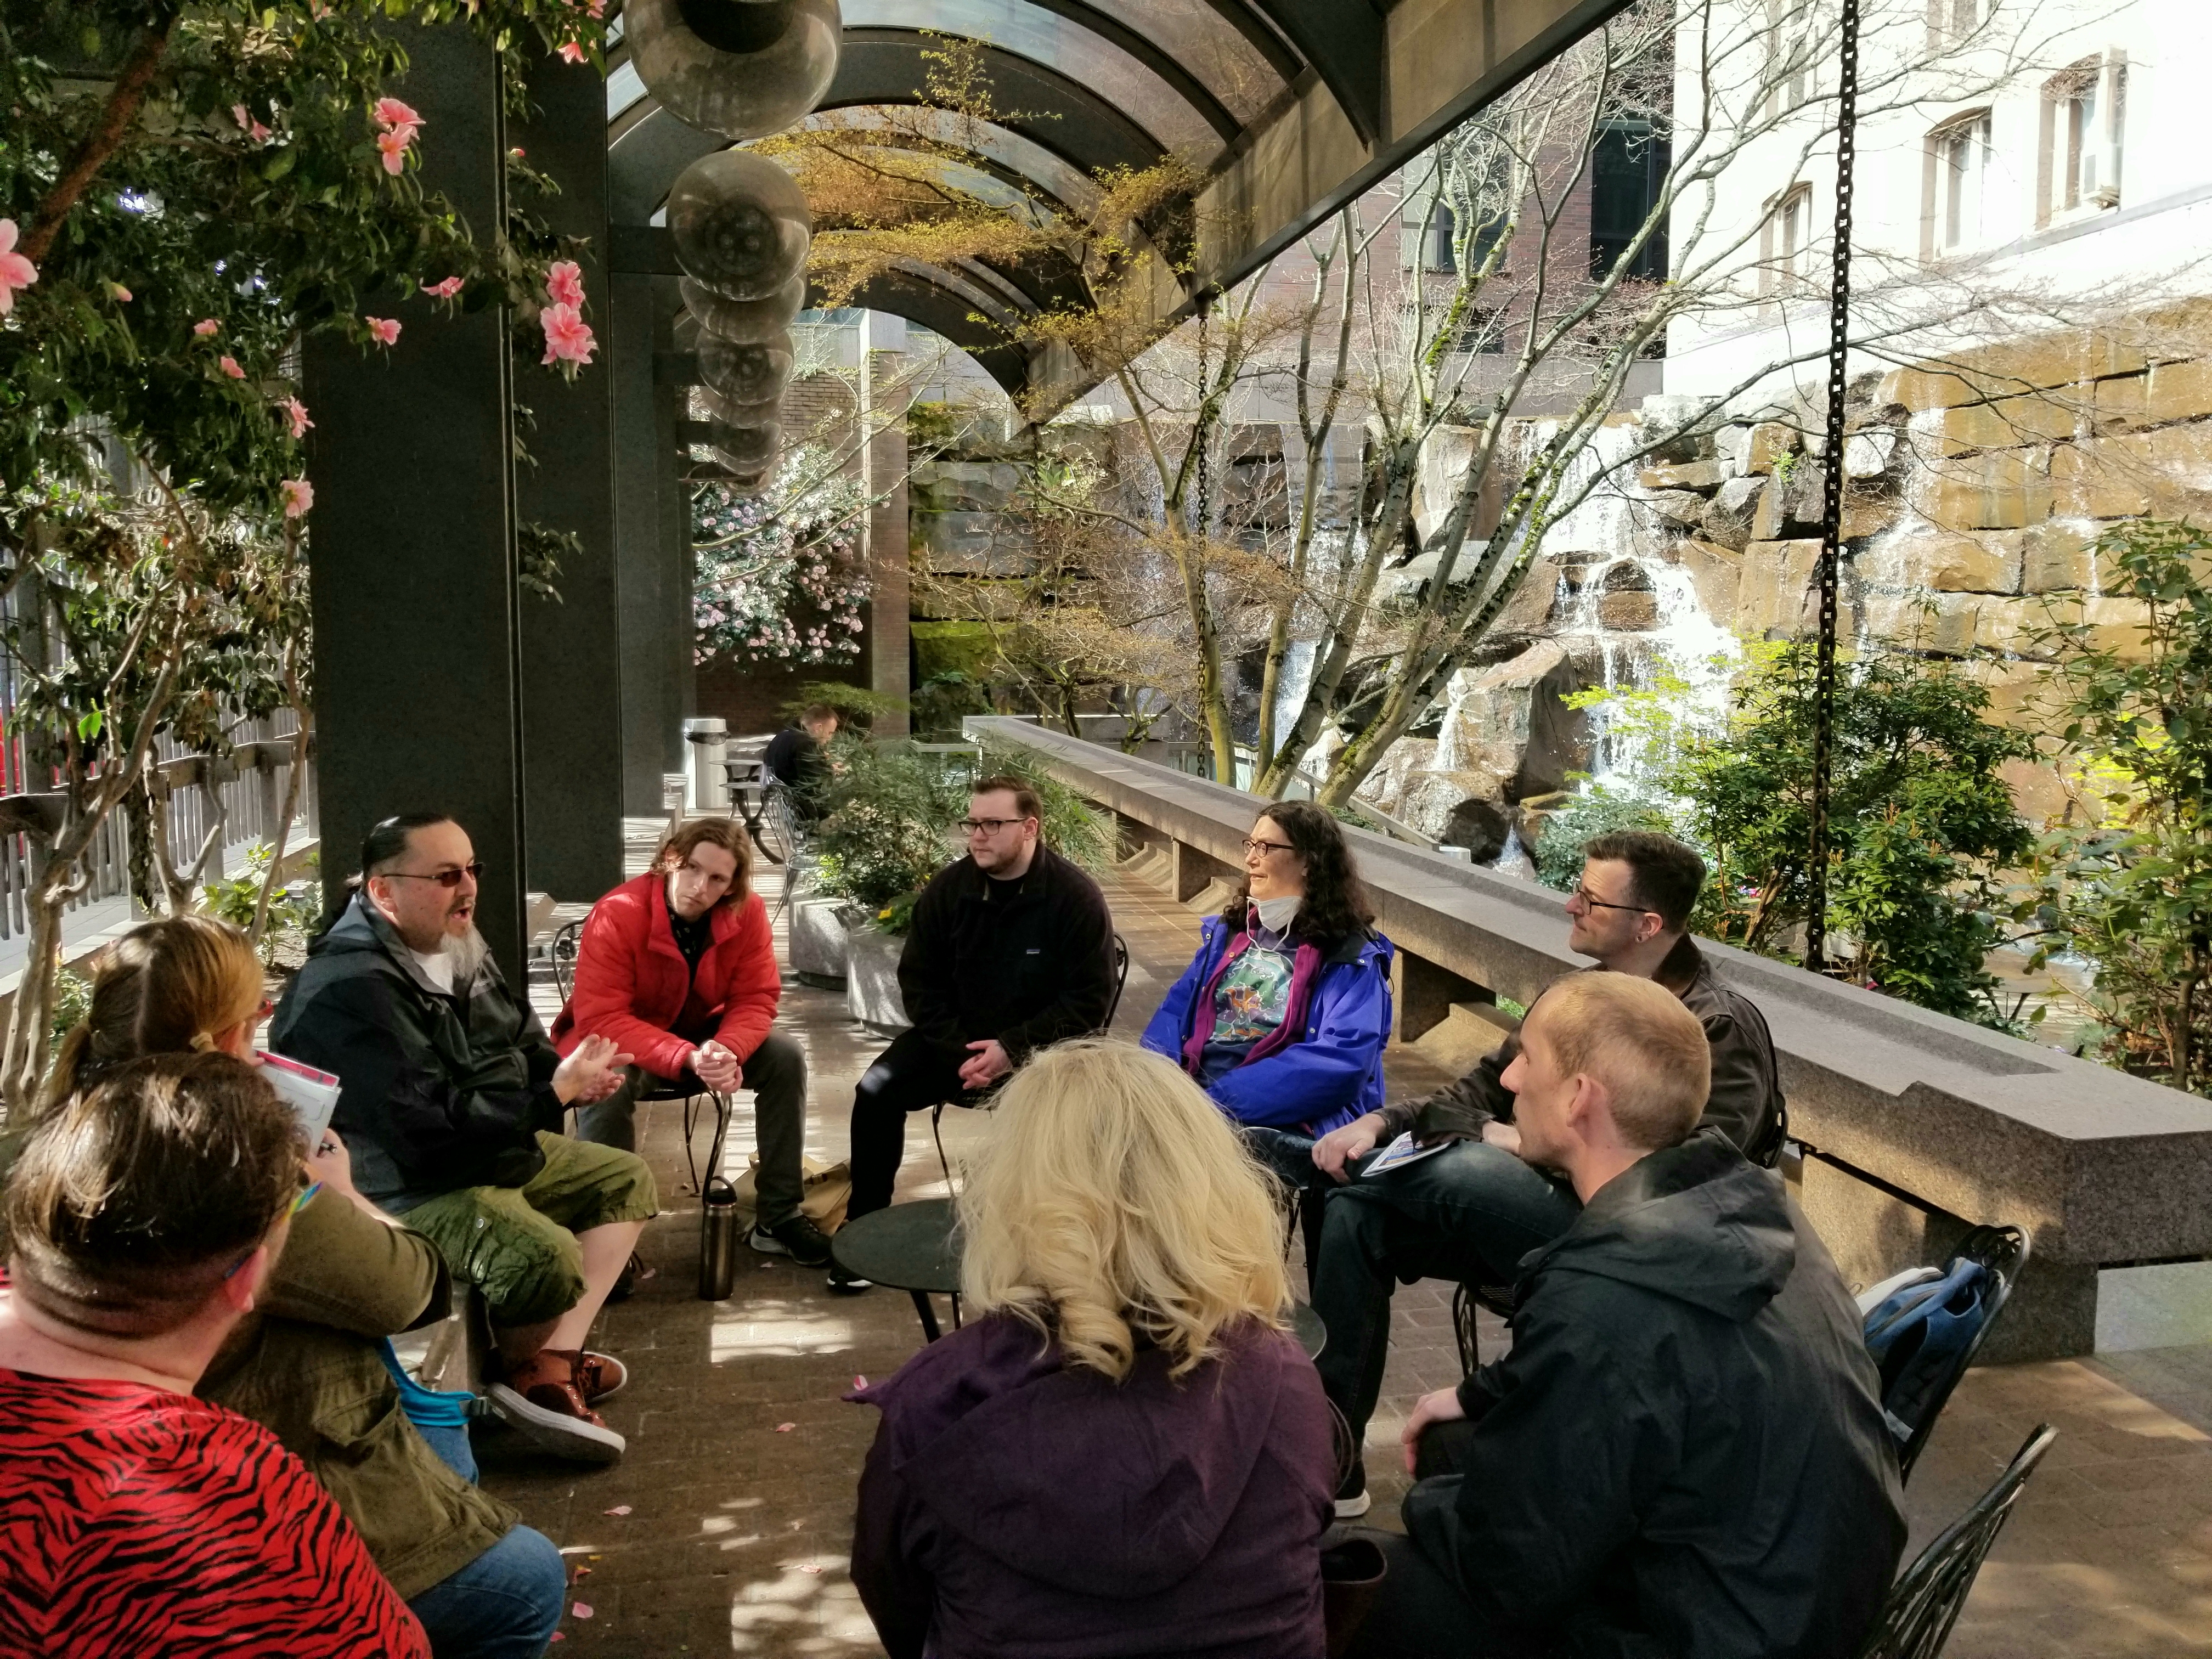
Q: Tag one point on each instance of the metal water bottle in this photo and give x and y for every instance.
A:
(717, 1239)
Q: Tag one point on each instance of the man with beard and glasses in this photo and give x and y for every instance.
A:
(452, 1104)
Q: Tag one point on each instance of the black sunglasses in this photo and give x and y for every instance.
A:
(446, 879)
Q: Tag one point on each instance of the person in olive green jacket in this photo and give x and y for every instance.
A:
(309, 1363)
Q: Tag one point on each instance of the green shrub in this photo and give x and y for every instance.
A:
(72, 1002)
(2132, 889)
(1595, 810)
(891, 813)
(293, 908)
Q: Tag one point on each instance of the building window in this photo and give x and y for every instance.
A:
(2084, 114)
(1956, 176)
(1951, 22)
(1628, 174)
(1789, 52)
(1784, 244)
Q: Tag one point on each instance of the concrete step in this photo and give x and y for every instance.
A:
(1469, 1032)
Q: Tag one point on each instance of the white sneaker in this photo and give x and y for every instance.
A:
(1351, 1509)
(557, 1432)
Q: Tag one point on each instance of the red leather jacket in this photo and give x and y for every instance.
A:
(633, 984)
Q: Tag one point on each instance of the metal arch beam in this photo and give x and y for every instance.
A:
(1346, 42)
(1188, 86)
(884, 66)
(901, 293)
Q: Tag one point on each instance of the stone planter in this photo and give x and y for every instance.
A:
(818, 942)
(871, 989)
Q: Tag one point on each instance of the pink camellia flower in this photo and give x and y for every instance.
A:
(296, 412)
(299, 497)
(392, 146)
(385, 329)
(391, 113)
(444, 290)
(205, 326)
(229, 366)
(568, 336)
(565, 283)
(16, 271)
(571, 53)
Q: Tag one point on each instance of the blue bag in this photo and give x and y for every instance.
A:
(1917, 1336)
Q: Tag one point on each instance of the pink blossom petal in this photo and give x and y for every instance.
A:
(619, 1509)
(571, 53)
(122, 294)
(567, 337)
(391, 113)
(859, 1382)
(444, 289)
(205, 326)
(296, 413)
(785, 1428)
(392, 146)
(565, 283)
(385, 329)
(244, 121)
(16, 271)
(808, 1566)
(229, 366)
(582, 1609)
(259, 133)
(299, 497)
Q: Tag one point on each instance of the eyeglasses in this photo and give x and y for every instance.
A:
(448, 879)
(986, 826)
(1265, 847)
(1592, 902)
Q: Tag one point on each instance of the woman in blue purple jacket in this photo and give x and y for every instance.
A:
(1282, 1016)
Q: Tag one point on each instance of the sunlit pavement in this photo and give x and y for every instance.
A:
(737, 1489)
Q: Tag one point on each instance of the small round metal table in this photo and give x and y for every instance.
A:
(916, 1248)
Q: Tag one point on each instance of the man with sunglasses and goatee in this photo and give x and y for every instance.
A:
(452, 1102)
(1473, 1210)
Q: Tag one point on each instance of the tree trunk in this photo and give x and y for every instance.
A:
(23, 1051)
(125, 97)
(274, 875)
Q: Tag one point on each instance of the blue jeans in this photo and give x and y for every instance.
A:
(452, 1445)
(1469, 1213)
(504, 1604)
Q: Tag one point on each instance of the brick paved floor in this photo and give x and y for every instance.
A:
(739, 1478)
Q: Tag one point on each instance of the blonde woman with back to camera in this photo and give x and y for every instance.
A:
(1124, 1447)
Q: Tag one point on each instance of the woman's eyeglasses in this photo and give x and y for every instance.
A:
(1264, 846)
(445, 878)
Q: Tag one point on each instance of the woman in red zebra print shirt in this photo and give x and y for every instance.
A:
(134, 1519)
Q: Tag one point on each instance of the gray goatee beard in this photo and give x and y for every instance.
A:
(468, 953)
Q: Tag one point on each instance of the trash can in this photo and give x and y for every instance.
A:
(703, 739)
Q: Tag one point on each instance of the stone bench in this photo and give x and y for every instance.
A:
(1914, 1126)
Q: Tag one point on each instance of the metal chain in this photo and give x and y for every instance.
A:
(1832, 505)
(1197, 423)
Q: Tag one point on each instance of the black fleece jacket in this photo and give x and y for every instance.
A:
(1028, 965)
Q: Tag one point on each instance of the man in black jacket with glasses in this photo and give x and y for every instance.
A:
(1010, 948)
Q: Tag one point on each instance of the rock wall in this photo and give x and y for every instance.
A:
(1975, 487)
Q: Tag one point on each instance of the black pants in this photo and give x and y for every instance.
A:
(912, 1075)
(1420, 1612)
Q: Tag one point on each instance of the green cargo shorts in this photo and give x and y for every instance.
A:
(518, 1244)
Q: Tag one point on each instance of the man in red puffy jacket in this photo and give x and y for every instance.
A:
(678, 967)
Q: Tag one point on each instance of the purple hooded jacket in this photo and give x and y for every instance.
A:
(1013, 1505)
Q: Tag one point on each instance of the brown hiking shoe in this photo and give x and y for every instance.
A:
(542, 1397)
(600, 1377)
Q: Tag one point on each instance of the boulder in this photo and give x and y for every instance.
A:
(1717, 572)
(1775, 596)
(1683, 474)
(1633, 612)
(1508, 720)
(1766, 444)
(1433, 801)
(1679, 506)
(1727, 520)
(1986, 563)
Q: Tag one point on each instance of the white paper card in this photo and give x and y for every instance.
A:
(312, 1095)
